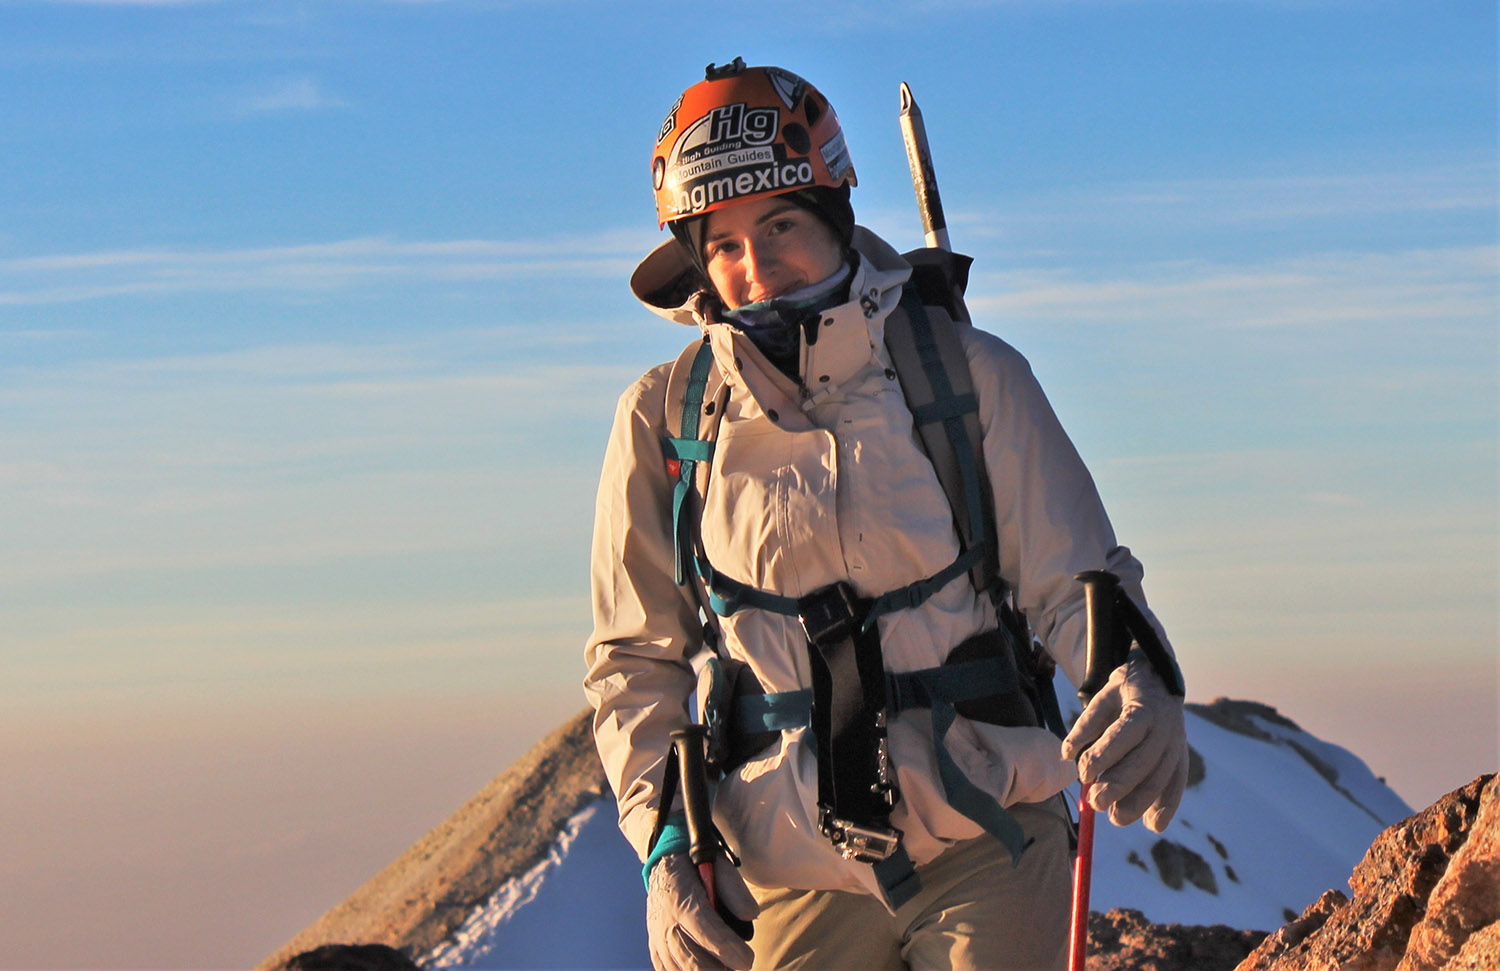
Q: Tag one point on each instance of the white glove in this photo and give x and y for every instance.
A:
(1132, 744)
(684, 932)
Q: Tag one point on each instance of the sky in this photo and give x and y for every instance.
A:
(313, 316)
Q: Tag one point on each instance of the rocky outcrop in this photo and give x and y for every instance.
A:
(1176, 865)
(1235, 715)
(1124, 940)
(1426, 897)
(419, 900)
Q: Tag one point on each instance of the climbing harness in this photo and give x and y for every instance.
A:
(852, 698)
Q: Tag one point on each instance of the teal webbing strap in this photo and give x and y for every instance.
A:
(779, 712)
(968, 798)
(941, 410)
(690, 449)
(940, 689)
(916, 594)
(687, 452)
(949, 408)
(692, 402)
(726, 595)
(898, 877)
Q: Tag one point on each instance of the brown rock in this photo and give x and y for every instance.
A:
(1481, 952)
(1467, 896)
(1124, 940)
(1428, 886)
(1290, 938)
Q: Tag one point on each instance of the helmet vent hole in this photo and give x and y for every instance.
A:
(797, 138)
(814, 109)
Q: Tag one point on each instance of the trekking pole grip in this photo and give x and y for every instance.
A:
(1105, 649)
(702, 846)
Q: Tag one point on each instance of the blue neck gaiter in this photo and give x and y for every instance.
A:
(775, 326)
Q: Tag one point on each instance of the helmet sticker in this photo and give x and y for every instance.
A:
(730, 137)
(836, 155)
(670, 122)
(787, 85)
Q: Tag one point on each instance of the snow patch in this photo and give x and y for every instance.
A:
(587, 914)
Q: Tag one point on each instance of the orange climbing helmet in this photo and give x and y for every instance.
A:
(745, 133)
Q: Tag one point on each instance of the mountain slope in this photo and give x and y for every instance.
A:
(532, 873)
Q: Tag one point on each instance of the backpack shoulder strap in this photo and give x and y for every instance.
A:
(933, 370)
(695, 390)
(923, 339)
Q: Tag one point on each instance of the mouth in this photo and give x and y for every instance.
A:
(767, 294)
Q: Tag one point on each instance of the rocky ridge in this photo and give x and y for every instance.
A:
(1124, 940)
(1426, 897)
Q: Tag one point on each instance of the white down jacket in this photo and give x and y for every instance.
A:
(808, 487)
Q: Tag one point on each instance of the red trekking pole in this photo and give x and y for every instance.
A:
(1106, 651)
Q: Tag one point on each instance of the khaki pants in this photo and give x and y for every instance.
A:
(975, 911)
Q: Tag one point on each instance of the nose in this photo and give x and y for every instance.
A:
(759, 263)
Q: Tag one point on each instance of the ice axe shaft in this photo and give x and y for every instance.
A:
(954, 267)
(923, 177)
(1105, 653)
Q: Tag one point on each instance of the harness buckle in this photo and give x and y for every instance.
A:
(863, 844)
(830, 614)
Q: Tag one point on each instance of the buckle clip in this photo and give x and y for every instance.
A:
(830, 614)
(863, 844)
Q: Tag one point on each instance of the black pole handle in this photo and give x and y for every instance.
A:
(1106, 648)
(689, 742)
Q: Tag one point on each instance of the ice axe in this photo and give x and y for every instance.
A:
(1106, 651)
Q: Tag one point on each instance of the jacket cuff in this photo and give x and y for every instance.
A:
(674, 839)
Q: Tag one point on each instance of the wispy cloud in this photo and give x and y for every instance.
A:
(291, 94)
(72, 277)
(1332, 288)
(1435, 188)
